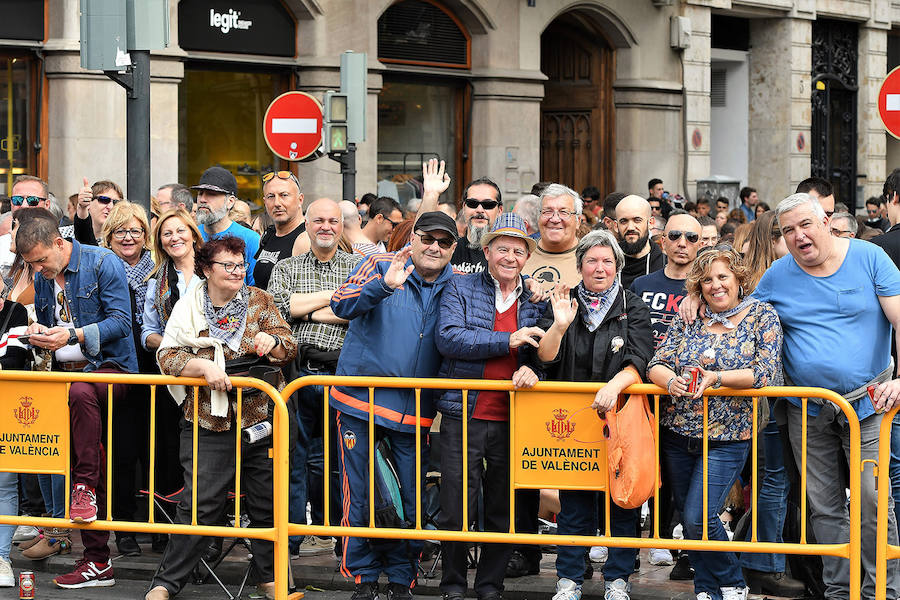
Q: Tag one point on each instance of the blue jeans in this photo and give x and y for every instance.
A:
(578, 516)
(894, 469)
(9, 505)
(771, 505)
(309, 419)
(683, 463)
(53, 489)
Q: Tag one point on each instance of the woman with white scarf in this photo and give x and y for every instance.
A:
(221, 320)
(126, 232)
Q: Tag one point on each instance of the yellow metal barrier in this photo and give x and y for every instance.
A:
(278, 534)
(849, 550)
(884, 550)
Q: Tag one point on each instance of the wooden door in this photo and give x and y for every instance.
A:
(577, 113)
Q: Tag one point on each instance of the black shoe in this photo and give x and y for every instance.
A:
(682, 571)
(774, 584)
(366, 591)
(491, 596)
(398, 591)
(212, 552)
(519, 566)
(159, 543)
(453, 596)
(127, 545)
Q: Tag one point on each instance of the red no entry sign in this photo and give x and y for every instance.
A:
(293, 125)
(889, 102)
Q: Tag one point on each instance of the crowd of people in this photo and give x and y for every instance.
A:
(562, 286)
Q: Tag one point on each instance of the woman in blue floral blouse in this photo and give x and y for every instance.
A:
(736, 344)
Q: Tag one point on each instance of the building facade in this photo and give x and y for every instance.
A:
(608, 93)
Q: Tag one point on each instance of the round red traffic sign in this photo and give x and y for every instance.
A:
(889, 102)
(292, 126)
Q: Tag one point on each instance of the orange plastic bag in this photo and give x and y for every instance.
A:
(631, 452)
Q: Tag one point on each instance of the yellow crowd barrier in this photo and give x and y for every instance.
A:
(38, 442)
(578, 396)
(884, 551)
(562, 408)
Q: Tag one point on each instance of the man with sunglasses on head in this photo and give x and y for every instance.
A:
(283, 200)
(94, 204)
(216, 194)
(384, 215)
(392, 302)
(632, 228)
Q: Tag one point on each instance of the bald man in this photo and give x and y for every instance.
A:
(632, 229)
(302, 287)
(352, 223)
(302, 243)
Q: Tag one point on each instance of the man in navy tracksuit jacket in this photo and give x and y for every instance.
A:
(391, 301)
(486, 330)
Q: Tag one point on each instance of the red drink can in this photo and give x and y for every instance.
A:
(694, 374)
(871, 391)
(26, 585)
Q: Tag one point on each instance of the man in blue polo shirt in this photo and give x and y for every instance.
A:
(836, 297)
(216, 194)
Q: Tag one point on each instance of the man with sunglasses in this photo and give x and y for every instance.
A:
(873, 214)
(28, 191)
(283, 199)
(94, 204)
(632, 229)
(482, 204)
(216, 194)
(392, 302)
(384, 215)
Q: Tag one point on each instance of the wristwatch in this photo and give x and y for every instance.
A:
(73, 337)
(718, 382)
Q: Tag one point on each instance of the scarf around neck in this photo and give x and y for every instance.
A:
(227, 323)
(722, 317)
(137, 280)
(597, 304)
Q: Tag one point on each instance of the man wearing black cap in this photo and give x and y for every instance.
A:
(217, 192)
(392, 303)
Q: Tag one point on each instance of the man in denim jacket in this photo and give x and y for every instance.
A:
(84, 317)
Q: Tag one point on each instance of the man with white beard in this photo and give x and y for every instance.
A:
(217, 192)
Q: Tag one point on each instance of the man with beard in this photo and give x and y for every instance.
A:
(632, 228)
(302, 287)
(482, 204)
(217, 192)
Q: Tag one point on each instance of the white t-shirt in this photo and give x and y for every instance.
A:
(63, 314)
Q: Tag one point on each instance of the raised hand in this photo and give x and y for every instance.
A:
(435, 180)
(398, 272)
(85, 195)
(564, 308)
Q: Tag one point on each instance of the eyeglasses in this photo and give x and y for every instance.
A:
(564, 214)
(393, 223)
(872, 211)
(676, 234)
(280, 175)
(428, 240)
(121, 234)
(31, 200)
(485, 204)
(231, 266)
(840, 232)
(107, 199)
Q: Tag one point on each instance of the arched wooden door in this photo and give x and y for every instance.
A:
(577, 113)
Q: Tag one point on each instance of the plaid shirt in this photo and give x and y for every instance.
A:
(305, 274)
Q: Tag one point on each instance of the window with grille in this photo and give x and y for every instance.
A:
(418, 32)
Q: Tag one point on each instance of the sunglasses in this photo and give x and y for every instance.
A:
(280, 175)
(485, 204)
(106, 199)
(690, 236)
(31, 200)
(428, 240)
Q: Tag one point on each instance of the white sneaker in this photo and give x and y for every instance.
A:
(661, 557)
(7, 578)
(599, 554)
(735, 593)
(617, 590)
(678, 532)
(566, 589)
(703, 596)
(24, 533)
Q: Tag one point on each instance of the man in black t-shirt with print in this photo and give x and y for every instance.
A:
(284, 203)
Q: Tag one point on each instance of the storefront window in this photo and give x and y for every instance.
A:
(220, 123)
(417, 121)
(14, 119)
